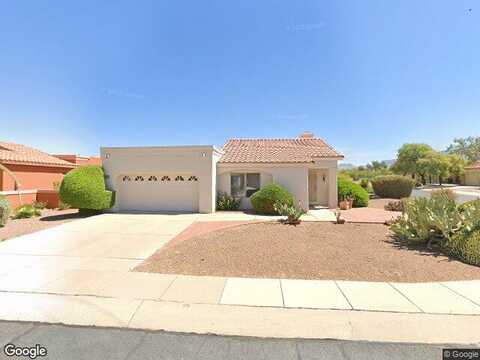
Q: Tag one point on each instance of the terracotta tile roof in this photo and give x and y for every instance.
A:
(475, 165)
(23, 155)
(298, 150)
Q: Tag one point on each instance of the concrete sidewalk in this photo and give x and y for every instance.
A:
(448, 298)
(440, 312)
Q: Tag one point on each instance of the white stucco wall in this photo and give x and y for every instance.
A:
(294, 177)
(198, 160)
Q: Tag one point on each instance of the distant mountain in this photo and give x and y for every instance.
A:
(390, 162)
(346, 166)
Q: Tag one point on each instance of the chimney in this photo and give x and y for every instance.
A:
(307, 135)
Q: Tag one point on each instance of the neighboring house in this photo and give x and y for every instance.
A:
(472, 174)
(37, 174)
(80, 160)
(187, 178)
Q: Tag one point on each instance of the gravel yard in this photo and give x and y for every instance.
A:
(308, 251)
(49, 218)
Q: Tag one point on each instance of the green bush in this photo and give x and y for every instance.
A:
(466, 247)
(344, 176)
(264, 200)
(84, 188)
(364, 183)
(26, 212)
(61, 204)
(348, 189)
(292, 212)
(227, 202)
(4, 210)
(392, 186)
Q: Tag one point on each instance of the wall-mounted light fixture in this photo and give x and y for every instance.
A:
(324, 178)
(107, 155)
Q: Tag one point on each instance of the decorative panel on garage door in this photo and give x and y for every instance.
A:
(158, 192)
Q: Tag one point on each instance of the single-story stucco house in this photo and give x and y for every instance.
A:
(187, 178)
(472, 174)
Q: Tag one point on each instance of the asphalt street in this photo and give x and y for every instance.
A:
(76, 343)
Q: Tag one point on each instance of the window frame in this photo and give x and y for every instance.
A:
(242, 193)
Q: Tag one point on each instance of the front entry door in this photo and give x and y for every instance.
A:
(312, 187)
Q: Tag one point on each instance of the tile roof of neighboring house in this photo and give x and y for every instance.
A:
(297, 150)
(23, 155)
(475, 165)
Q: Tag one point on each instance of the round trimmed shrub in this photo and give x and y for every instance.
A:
(392, 186)
(4, 210)
(84, 188)
(264, 200)
(348, 189)
(466, 247)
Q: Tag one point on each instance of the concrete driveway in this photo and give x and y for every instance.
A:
(107, 241)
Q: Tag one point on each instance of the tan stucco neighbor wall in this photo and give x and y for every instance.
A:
(472, 177)
(196, 160)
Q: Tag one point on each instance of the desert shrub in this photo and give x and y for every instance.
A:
(444, 192)
(392, 186)
(364, 183)
(350, 190)
(264, 200)
(40, 205)
(4, 210)
(436, 219)
(63, 206)
(227, 202)
(84, 188)
(396, 205)
(465, 246)
(26, 211)
(456, 228)
(292, 212)
(472, 204)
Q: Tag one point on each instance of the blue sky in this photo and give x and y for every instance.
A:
(367, 76)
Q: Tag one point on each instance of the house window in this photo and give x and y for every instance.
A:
(165, 178)
(179, 178)
(152, 178)
(193, 178)
(244, 185)
(139, 178)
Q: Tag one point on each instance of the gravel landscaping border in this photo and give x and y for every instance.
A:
(48, 219)
(360, 252)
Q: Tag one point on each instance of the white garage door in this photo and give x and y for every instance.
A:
(158, 192)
